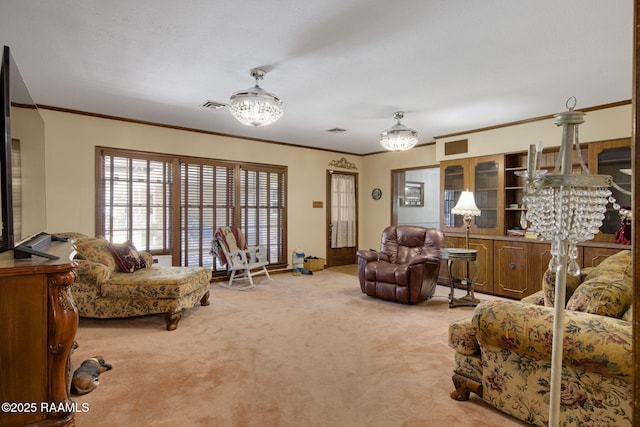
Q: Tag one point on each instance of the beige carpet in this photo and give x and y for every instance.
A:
(346, 269)
(297, 351)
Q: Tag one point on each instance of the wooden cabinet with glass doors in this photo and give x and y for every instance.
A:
(484, 176)
(514, 266)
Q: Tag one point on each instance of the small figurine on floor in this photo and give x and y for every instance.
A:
(298, 263)
(85, 378)
(301, 270)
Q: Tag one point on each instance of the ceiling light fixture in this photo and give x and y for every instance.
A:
(398, 137)
(255, 106)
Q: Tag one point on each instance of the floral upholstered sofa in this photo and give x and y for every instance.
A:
(503, 353)
(118, 281)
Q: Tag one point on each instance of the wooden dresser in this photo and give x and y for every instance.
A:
(38, 324)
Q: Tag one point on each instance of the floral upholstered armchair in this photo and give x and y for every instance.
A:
(503, 353)
(118, 281)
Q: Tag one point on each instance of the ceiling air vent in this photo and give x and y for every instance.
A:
(337, 130)
(213, 105)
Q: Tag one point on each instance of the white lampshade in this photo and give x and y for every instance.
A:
(466, 205)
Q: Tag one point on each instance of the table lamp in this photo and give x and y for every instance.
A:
(466, 206)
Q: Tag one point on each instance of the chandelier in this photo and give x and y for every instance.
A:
(398, 137)
(255, 106)
(566, 209)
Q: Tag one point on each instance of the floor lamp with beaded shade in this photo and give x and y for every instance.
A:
(466, 206)
(565, 208)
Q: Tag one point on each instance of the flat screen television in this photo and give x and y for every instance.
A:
(22, 167)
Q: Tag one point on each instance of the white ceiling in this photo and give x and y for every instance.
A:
(451, 65)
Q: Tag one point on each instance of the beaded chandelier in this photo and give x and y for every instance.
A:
(255, 106)
(398, 137)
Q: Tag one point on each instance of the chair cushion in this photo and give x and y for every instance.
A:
(608, 289)
(156, 282)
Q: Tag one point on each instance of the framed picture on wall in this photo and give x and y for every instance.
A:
(413, 194)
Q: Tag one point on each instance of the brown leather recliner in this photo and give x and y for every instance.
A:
(406, 268)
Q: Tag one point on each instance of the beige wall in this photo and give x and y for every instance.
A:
(599, 125)
(71, 140)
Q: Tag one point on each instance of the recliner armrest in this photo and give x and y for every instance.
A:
(370, 256)
(425, 259)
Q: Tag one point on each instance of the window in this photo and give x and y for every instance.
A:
(138, 194)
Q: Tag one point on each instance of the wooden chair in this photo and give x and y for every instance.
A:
(230, 247)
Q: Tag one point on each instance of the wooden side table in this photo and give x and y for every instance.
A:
(462, 255)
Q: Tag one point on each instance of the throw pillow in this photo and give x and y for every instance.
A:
(96, 250)
(607, 289)
(549, 286)
(127, 257)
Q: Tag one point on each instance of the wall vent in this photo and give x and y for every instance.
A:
(456, 147)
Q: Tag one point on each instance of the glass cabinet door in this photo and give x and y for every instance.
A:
(613, 158)
(487, 187)
(453, 181)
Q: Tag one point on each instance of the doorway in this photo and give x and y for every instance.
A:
(416, 196)
(342, 218)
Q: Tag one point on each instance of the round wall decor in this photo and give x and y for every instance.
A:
(376, 193)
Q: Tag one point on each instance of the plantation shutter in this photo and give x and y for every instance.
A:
(136, 201)
(262, 209)
(207, 203)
